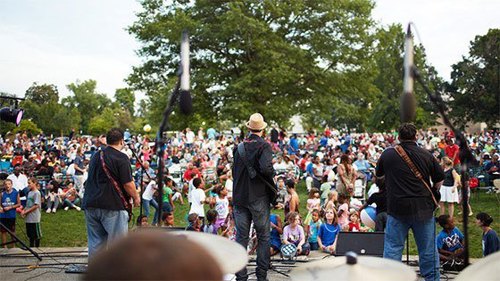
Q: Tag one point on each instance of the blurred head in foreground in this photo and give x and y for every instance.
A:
(153, 255)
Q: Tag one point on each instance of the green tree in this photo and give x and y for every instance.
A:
(87, 101)
(475, 82)
(125, 98)
(41, 94)
(27, 126)
(103, 122)
(279, 58)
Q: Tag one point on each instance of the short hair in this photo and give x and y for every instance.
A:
(165, 215)
(484, 218)
(192, 218)
(114, 136)
(196, 182)
(443, 220)
(407, 131)
(212, 215)
(290, 183)
(157, 256)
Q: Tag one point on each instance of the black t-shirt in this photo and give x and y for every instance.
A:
(99, 191)
(407, 196)
(380, 199)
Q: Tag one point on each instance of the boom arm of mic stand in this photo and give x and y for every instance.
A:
(160, 150)
(465, 154)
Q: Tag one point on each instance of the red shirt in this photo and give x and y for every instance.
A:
(187, 174)
(450, 151)
(354, 227)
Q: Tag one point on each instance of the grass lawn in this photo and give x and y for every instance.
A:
(67, 228)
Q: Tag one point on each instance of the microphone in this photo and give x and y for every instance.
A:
(185, 101)
(408, 102)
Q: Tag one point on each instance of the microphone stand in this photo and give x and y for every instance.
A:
(160, 143)
(143, 171)
(466, 158)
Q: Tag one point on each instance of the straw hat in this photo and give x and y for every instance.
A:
(256, 122)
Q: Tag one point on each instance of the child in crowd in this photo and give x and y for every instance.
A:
(313, 227)
(490, 241)
(293, 233)
(9, 200)
(168, 219)
(142, 221)
(325, 189)
(211, 227)
(177, 194)
(168, 203)
(228, 228)
(354, 223)
(32, 213)
(331, 201)
(52, 198)
(70, 198)
(450, 241)
(276, 231)
(343, 213)
(221, 205)
(328, 232)
(198, 198)
(313, 203)
(282, 193)
(193, 223)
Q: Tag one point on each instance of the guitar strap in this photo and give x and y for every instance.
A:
(414, 169)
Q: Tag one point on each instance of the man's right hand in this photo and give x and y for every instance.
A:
(137, 201)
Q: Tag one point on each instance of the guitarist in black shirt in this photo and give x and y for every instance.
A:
(108, 190)
(253, 193)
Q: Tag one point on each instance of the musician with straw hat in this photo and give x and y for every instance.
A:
(253, 172)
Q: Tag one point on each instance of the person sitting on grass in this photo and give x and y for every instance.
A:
(293, 233)
(450, 241)
(328, 232)
(52, 198)
(490, 241)
(9, 200)
(211, 226)
(142, 221)
(193, 223)
(276, 231)
(168, 219)
(70, 198)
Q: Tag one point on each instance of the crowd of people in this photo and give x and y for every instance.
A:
(42, 173)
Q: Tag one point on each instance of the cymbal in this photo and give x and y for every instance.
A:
(353, 268)
(484, 269)
(230, 256)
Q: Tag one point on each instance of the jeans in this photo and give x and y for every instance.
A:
(104, 225)
(258, 212)
(53, 203)
(73, 204)
(146, 204)
(424, 233)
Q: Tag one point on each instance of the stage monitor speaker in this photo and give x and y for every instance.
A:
(362, 243)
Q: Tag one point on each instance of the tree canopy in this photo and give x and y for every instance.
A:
(277, 58)
(475, 85)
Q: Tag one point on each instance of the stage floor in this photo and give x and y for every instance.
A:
(17, 264)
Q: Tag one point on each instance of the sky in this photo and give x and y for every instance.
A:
(61, 42)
